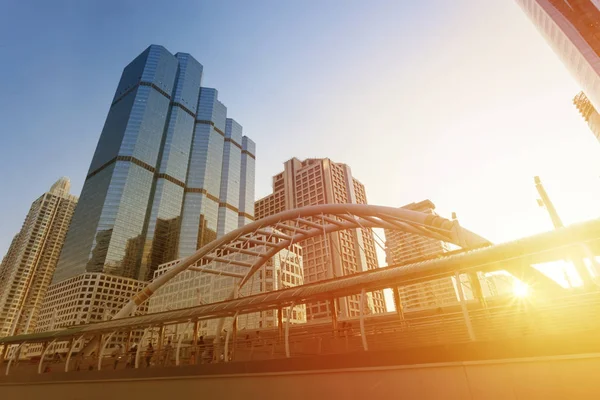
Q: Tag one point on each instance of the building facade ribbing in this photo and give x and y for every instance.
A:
(588, 112)
(26, 270)
(155, 188)
(321, 181)
(572, 28)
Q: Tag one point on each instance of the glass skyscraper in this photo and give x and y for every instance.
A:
(167, 166)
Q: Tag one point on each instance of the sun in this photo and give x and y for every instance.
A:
(520, 289)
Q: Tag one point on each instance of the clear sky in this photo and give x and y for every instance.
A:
(461, 102)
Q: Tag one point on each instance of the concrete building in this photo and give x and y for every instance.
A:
(27, 268)
(168, 174)
(572, 29)
(406, 248)
(322, 181)
(192, 287)
(588, 112)
(84, 299)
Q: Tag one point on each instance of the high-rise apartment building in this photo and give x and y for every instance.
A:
(322, 181)
(27, 268)
(170, 173)
(405, 248)
(572, 28)
(588, 112)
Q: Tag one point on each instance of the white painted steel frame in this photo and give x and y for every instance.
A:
(378, 216)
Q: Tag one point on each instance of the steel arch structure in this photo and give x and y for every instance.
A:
(272, 234)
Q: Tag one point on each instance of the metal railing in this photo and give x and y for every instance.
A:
(575, 313)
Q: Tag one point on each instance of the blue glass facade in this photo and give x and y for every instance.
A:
(152, 192)
(246, 212)
(201, 203)
(229, 196)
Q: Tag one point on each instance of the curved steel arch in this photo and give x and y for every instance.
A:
(293, 226)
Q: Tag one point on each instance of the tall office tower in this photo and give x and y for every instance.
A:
(406, 248)
(27, 268)
(572, 28)
(153, 192)
(246, 214)
(322, 181)
(588, 112)
(192, 287)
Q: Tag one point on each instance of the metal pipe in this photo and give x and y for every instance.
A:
(463, 306)
(334, 317)
(44, 355)
(361, 308)
(103, 347)
(179, 343)
(139, 349)
(287, 332)
(15, 355)
(398, 303)
(71, 348)
(234, 327)
(280, 322)
(226, 350)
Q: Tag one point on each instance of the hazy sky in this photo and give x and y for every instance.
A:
(461, 102)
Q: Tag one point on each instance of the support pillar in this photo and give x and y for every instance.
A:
(287, 331)
(3, 354)
(398, 303)
(161, 337)
(362, 320)
(592, 257)
(475, 287)
(333, 309)
(234, 328)
(280, 322)
(197, 356)
(463, 306)
(195, 339)
(71, 348)
(128, 342)
(45, 348)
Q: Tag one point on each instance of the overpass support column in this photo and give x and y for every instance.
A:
(74, 342)
(234, 328)
(398, 302)
(287, 331)
(3, 354)
(333, 309)
(161, 337)
(280, 322)
(45, 349)
(128, 343)
(361, 307)
(476, 287)
(195, 344)
(463, 306)
(594, 264)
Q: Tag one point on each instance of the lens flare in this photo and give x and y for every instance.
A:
(520, 289)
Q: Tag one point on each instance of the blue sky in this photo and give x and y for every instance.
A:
(460, 102)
